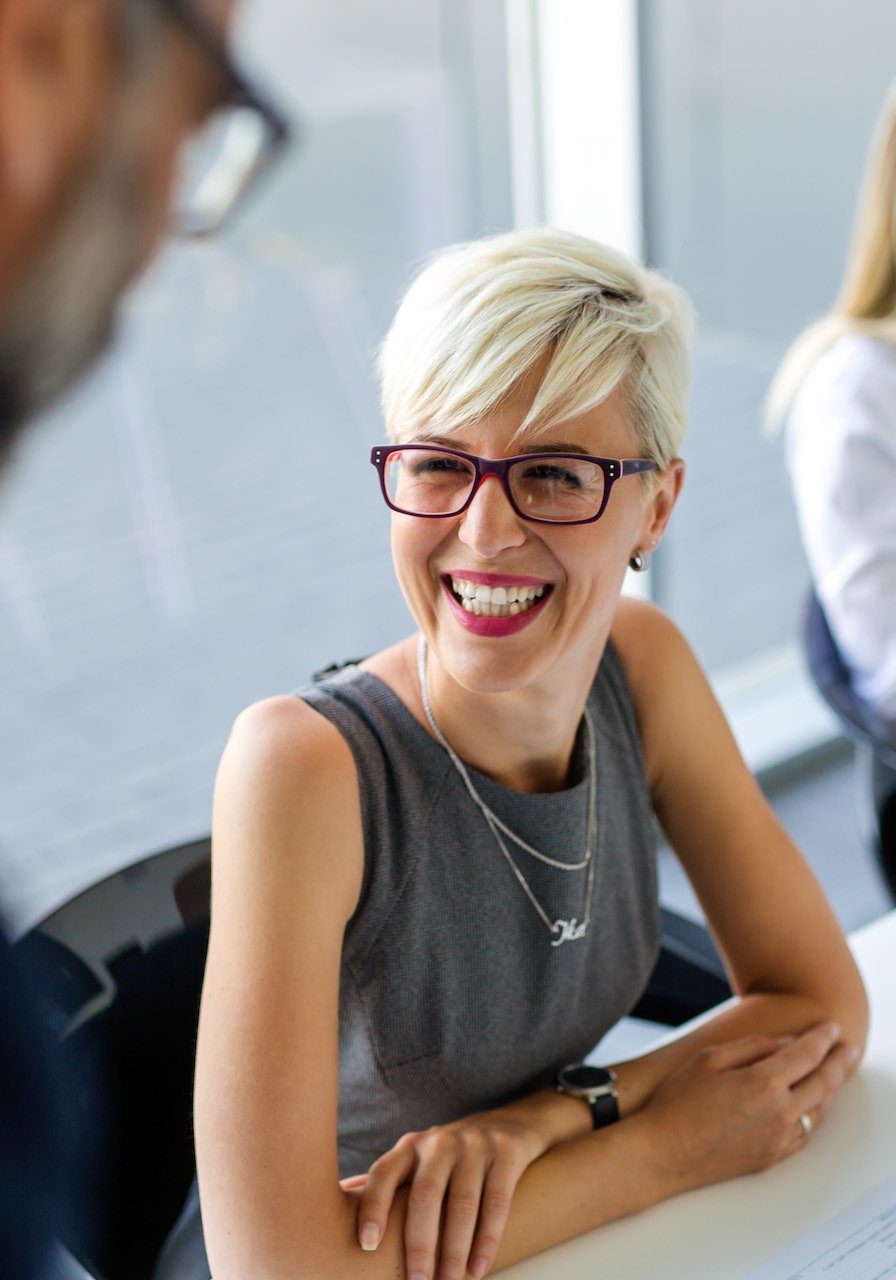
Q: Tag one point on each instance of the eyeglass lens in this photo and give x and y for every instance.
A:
(428, 482)
(219, 164)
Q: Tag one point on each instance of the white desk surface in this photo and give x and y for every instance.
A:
(724, 1231)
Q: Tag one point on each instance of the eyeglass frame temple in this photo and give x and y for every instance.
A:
(241, 93)
(613, 468)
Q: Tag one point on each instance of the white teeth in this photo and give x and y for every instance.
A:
(495, 602)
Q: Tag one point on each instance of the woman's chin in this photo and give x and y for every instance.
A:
(483, 669)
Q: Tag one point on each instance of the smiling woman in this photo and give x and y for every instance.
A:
(434, 884)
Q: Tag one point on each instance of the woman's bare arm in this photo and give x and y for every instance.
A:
(786, 955)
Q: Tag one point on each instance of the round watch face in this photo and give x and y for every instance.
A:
(584, 1077)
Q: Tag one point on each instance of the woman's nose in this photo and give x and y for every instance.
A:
(490, 524)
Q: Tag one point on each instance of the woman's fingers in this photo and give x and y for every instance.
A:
(383, 1177)
(743, 1052)
(462, 1180)
(464, 1205)
(802, 1056)
(427, 1194)
(814, 1094)
(500, 1184)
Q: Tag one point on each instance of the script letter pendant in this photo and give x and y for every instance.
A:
(570, 930)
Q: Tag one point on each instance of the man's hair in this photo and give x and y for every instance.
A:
(480, 315)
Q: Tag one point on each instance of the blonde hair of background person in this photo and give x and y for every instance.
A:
(867, 299)
(494, 343)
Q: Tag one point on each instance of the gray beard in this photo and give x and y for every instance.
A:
(65, 314)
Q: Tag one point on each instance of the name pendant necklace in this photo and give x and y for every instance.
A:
(563, 930)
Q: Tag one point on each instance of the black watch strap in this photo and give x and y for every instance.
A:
(604, 1110)
(596, 1086)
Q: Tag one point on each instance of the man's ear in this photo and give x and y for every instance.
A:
(58, 62)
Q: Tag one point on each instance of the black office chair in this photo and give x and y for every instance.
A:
(874, 738)
(122, 967)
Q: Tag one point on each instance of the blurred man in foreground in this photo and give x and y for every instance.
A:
(100, 103)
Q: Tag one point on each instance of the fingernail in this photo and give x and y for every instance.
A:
(418, 1277)
(478, 1267)
(854, 1053)
(834, 1030)
(370, 1236)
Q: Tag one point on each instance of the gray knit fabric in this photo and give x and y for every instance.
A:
(452, 998)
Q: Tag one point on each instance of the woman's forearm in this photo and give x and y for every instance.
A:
(576, 1185)
(573, 1188)
(770, 1014)
(562, 1118)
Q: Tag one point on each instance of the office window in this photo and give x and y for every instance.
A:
(755, 124)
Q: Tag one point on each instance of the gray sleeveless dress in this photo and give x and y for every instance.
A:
(452, 998)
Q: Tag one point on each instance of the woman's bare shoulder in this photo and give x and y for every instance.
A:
(661, 670)
(286, 726)
(286, 797)
(642, 633)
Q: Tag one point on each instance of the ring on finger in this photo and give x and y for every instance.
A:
(806, 1123)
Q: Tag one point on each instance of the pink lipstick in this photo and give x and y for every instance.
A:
(496, 627)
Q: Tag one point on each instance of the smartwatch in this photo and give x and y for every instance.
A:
(594, 1085)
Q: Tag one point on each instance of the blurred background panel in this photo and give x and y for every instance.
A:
(756, 120)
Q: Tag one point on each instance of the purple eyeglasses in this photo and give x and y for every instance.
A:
(547, 488)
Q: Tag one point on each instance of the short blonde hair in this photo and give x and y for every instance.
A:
(481, 314)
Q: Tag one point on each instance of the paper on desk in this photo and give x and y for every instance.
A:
(857, 1244)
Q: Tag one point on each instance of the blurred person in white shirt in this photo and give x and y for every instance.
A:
(836, 394)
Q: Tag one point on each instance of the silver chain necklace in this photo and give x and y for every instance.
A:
(564, 930)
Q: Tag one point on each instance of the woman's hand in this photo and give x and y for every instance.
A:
(471, 1168)
(735, 1108)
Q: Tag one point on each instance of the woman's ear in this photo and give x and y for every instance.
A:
(666, 488)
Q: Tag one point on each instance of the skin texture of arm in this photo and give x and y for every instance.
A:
(785, 953)
(287, 868)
